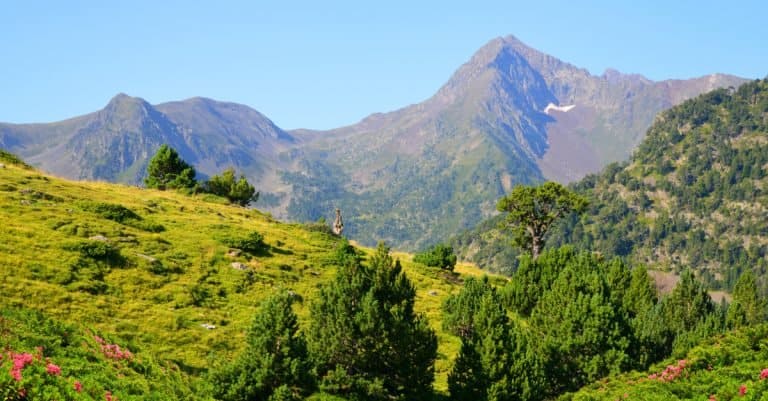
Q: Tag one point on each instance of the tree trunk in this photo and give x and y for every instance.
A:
(535, 246)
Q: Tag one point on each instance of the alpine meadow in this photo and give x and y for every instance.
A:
(530, 231)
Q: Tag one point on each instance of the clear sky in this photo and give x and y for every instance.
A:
(323, 63)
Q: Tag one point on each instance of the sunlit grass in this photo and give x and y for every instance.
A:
(170, 283)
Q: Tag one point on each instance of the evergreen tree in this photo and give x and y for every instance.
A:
(467, 380)
(533, 210)
(274, 365)
(237, 191)
(583, 334)
(459, 310)
(496, 361)
(365, 338)
(688, 305)
(167, 170)
(535, 277)
(748, 307)
(440, 255)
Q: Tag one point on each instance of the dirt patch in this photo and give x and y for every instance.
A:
(665, 281)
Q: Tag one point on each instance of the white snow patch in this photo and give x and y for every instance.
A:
(554, 107)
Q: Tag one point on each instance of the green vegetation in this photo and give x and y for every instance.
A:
(167, 170)
(531, 211)
(144, 294)
(182, 297)
(692, 195)
(440, 255)
(274, 364)
(366, 340)
(726, 367)
(237, 191)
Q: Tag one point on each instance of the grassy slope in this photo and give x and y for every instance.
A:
(156, 313)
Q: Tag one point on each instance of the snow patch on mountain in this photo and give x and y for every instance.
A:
(554, 107)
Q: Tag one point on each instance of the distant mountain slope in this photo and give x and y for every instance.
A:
(509, 115)
(693, 194)
(115, 143)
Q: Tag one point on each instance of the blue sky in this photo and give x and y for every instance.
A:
(324, 64)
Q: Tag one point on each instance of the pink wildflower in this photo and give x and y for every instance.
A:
(109, 397)
(742, 390)
(764, 374)
(78, 386)
(712, 397)
(52, 369)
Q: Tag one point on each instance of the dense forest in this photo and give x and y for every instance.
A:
(692, 196)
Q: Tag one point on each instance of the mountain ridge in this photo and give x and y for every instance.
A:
(409, 176)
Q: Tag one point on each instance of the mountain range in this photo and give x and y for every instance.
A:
(413, 176)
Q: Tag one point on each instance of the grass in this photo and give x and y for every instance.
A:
(153, 268)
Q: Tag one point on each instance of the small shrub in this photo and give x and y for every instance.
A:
(440, 255)
(252, 243)
(121, 214)
(97, 250)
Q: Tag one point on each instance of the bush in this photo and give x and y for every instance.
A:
(252, 243)
(121, 214)
(97, 250)
(440, 255)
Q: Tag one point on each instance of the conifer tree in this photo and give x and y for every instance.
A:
(531, 211)
(237, 191)
(748, 307)
(167, 170)
(366, 341)
(495, 362)
(274, 365)
(583, 334)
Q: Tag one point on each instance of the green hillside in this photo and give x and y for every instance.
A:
(156, 272)
(692, 195)
(728, 367)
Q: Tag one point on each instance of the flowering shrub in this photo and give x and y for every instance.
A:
(113, 351)
(671, 372)
(32, 377)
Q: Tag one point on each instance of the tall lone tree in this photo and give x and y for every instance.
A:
(533, 209)
(167, 170)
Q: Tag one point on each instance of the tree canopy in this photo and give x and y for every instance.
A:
(236, 190)
(167, 170)
(365, 338)
(532, 210)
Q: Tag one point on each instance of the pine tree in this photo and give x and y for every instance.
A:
(583, 333)
(274, 364)
(531, 211)
(237, 191)
(365, 338)
(167, 170)
(748, 307)
(495, 362)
